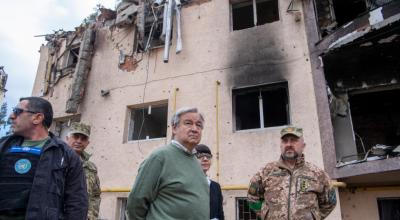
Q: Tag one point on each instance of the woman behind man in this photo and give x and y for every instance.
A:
(204, 156)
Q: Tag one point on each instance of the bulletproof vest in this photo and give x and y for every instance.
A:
(17, 170)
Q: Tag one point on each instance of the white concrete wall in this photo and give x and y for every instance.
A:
(211, 53)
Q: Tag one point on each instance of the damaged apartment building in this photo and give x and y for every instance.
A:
(359, 61)
(251, 67)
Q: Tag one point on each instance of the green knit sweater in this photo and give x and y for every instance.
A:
(170, 185)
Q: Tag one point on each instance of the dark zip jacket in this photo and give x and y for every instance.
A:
(59, 185)
(216, 199)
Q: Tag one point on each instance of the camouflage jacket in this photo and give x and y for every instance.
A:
(302, 193)
(93, 186)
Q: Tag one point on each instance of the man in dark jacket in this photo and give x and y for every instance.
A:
(203, 154)
(40, 176)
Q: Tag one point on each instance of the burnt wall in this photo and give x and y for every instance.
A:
(358, 66)
(257, 57)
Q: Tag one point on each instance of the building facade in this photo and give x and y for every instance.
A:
(3, 82)
(250, 66)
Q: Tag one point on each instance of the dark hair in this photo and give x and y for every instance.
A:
(201, 148)
(40, 105)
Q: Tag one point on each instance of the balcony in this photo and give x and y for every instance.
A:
(362, 71)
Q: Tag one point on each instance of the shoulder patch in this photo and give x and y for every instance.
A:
(253, 189)
(332, 196)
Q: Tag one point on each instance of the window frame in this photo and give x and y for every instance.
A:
(261, 88)
(380, 203)
(237, 200)
(71, 55)
(59, 124)
(121, 208)
(130, 122)
(233, 4)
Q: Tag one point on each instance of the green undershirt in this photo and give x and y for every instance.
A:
(38, 143)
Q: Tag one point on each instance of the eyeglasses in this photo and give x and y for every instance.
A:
(201, 155)
(18, 111)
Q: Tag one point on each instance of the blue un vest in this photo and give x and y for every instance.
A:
(17, 170)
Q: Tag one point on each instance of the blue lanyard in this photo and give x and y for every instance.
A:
(26, 149)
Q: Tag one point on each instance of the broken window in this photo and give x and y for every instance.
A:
(335, 13)
(152, 28)
(376, 119)
(148, 122)
(250, 13)
(60, 126)
(348, 10)
(73, 56)
(154, 32)
(261, 106)
(389, 208)
(150, 25)
(325, 16)
(243, 211)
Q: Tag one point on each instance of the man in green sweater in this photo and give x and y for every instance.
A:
(170, 184)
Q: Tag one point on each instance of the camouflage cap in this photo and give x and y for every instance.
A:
(79, 128)
(296, 131)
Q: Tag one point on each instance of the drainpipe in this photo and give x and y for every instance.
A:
(164, 24)
(175, 93)
(235, 187)
(334, 183)
(245, 187)
(115, 190)
(169, 18)
(178, 26)
(218, 84)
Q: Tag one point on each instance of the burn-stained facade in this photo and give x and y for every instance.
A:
(356, 68)
(251, 66)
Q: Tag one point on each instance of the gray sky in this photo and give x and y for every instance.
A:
(20, 20)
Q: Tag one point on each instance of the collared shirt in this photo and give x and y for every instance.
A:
(208, 180)
(180, 146)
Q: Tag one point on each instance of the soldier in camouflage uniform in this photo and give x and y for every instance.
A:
(291, 188)
(78, 140)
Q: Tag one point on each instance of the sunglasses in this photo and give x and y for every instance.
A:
(18, 111)
(201, 155)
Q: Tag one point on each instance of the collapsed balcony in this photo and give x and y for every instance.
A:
(363, 79)
(336, 14)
